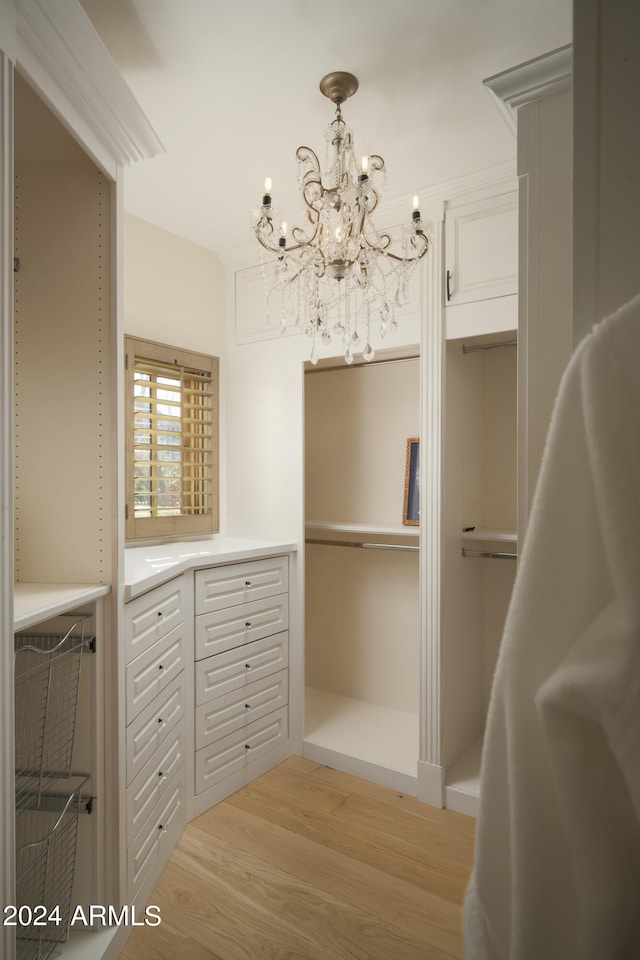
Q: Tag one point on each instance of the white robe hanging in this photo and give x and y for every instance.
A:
(557, 865)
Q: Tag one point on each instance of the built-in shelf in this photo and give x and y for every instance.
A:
(483, 542)
(363, 535)
(332, 526)
(367, 732)
(462, 784)
(498, 537)
(35, 602)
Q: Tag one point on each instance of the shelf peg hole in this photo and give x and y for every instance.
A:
(247, 746)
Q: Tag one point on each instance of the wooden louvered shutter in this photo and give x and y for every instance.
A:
(172, 420)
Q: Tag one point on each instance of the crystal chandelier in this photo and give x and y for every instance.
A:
(338, 275)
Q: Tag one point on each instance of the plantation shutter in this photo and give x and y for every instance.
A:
(172, 485)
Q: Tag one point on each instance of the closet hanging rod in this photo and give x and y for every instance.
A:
(363, 365)
(474, 347)
(490, 554)
(400, 547)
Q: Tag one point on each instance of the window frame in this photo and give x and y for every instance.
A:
(181, 525)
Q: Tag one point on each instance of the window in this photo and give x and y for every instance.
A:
(172, 441)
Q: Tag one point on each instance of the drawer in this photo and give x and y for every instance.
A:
(239, 749)
(222, 630)
(153, 670)
(153, 781)
(153, 725)
(236, 669)
(153, 615)
(226, 586)
(158, 834)
(238, 709)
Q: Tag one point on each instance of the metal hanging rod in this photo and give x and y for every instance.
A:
(474, 347)
(399, 547)
(489, 554)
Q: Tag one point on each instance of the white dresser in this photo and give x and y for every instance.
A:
(241, 670)
(158, 638)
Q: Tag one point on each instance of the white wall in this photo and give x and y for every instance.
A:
(265, 440)
(173, 289)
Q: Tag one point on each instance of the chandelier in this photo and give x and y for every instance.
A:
(337, 274)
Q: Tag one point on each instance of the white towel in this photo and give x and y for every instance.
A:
(557, 865)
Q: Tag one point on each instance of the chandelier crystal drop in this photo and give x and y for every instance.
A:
(338, 275)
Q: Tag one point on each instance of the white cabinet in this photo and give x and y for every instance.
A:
(159, 632)
(481, 262)
(241, 670)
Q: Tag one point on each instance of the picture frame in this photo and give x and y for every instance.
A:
(411, 505)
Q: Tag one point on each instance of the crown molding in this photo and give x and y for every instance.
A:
(61, 55)
(542, 77)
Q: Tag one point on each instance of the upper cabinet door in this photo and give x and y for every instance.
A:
(481, 249)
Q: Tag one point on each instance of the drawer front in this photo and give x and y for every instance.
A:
(227, 586)
(153, 670)
(153, 615)
(159, 832)
(153, 725)
(238, 709)
(222, 630)
(152, 782)
(239, 667)
(232, 753)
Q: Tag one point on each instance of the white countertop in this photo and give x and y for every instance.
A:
(147, 567)
(35, 602)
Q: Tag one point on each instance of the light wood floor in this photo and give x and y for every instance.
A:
(307, 863)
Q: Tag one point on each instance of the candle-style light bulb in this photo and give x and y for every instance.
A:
(267, 185)
(364, 165)
(415, 216)
(282, 242)
(266, 199)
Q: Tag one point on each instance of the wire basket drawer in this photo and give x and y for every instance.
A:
(47, 679)
(45, 859)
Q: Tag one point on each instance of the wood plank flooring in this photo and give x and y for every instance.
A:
(307, 863)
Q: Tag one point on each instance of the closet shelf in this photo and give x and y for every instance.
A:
(486, 535)
(362, 535)
(365, 731)
(33, 603)
(462, 781)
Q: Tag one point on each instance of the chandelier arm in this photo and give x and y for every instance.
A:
(311, 177)
(263, 241)
(378, 247)
(419, 253)
(301, 238)
(277, 249)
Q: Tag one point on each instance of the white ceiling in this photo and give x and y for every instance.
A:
(231, 88)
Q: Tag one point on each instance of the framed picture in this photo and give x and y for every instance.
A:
(411, 509)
